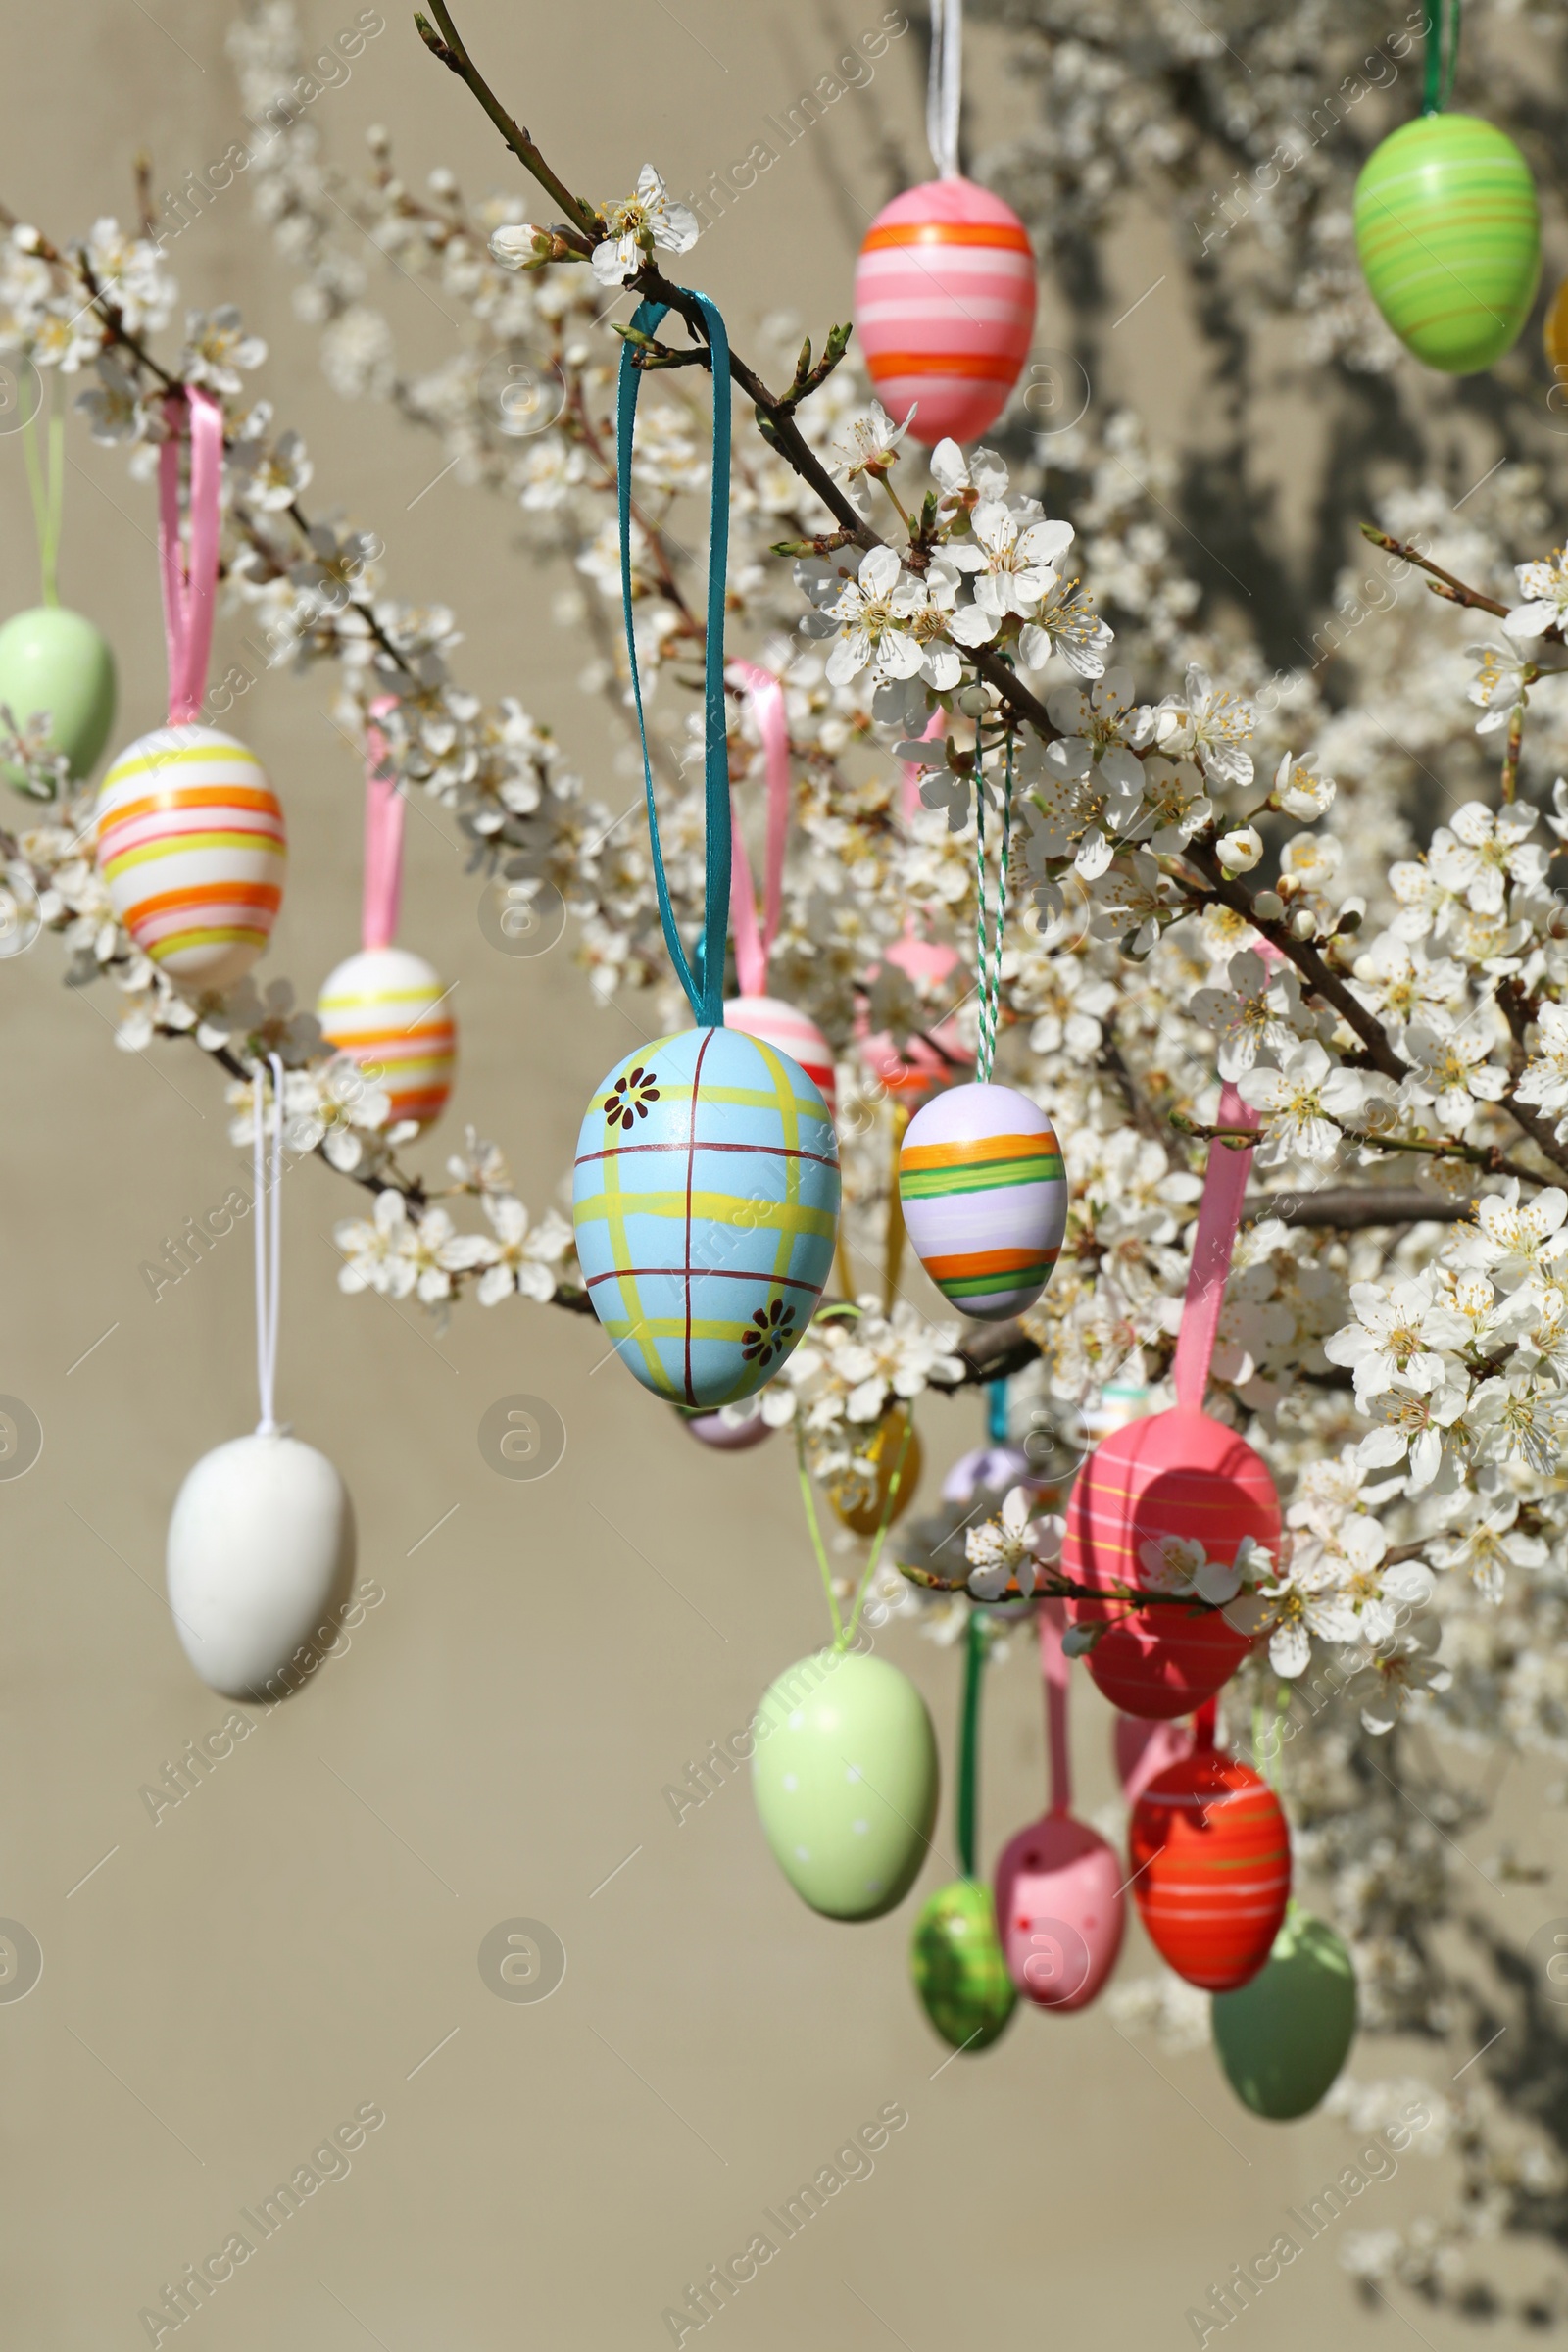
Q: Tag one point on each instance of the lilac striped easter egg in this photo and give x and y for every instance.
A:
(392, 1013)
(985, 1198)
(191, 843)
(945, 307)
(787, 1031)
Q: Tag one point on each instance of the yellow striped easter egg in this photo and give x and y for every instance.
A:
(190, 840)
(390, 1010)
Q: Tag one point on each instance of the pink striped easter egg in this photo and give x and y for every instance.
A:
(787, 1031)
(190, 840)
(945, 307)
(391, 1011)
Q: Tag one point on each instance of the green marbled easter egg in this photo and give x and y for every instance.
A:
(1282, 2037)
(845, 1775)
(54, 660)
(959, 1971)
(1449, 234)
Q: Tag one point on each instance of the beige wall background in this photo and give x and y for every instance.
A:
(223, 1988)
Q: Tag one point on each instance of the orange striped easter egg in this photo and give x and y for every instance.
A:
(1210, 1855)
(191, 843)
(391, 1012)
(984, 1196)
(945, 307)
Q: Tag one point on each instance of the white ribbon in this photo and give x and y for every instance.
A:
(269, 1241)
(944, 90)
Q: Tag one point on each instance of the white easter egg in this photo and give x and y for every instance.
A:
(261, 1553)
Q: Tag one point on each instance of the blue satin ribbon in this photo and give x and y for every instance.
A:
(703, 975)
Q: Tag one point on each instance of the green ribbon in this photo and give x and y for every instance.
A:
(1442, 35)
(703, 975)
(974, 1659)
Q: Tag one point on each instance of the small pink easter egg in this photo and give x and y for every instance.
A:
(945, 307)
(1060, 1911)
(727, 1436)
(779, 1026)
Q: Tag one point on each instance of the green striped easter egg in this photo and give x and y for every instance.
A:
(1449, 238)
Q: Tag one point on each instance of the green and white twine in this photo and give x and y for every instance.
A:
(988, 955)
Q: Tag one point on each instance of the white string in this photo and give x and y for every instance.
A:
(269, 1241)
(944, 90)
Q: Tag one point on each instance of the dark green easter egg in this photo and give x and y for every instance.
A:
(845, 1776)
(54, 660)
(1282, 2037)
(960, 1973)
(1449, 234)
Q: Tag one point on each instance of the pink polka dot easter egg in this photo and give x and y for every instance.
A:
(787, 1031)
(945, 307)
(190, 840)
(726, 1437)
(1059, 1910)
(985, 1198)
(1177, 1473)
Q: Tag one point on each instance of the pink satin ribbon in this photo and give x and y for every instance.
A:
(1053, 1616)
(190, 586)
(383, 836)
(1218, 1220)
(754, 944)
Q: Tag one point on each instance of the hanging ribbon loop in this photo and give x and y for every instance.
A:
(754, 943)
(703, 975)
(1219, 1218)
(1442, 53)
(383, 893)
(190, 582)
(269, 1240)
(944, 87)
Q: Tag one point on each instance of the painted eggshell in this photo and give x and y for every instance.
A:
(261, 1553)
(56, 661)
(1554, 341)
(959, 1974)
(1169, 1474)
(1060, 1910)
(984, 1196)
(192, 844)
(1210, 1857)
(861, 1513)
(1143, 1747)
(945, 307)
(991, 1469)
(779, 1026)
(845, 1780)
(726, 1437)
(705, 1203)
(1282, 2039)
(392, 1013)
(923, 1064)
(1448, 232)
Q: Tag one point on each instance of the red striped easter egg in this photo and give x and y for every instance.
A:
(391, 1011)
(191, 843)
(789, 1032)
(1170, 1474)
(945, 307)
(1210, 1855)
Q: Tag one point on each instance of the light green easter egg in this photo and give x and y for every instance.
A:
(845, 1775)
(54, 660)
(958, 1967)
(1449, 234)
(1282, 2037)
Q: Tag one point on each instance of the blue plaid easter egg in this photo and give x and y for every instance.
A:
(706, 1200)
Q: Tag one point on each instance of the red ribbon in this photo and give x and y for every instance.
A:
(1053, 1616)
(190, 584)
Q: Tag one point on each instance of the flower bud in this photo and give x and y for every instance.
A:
(1239, 851)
